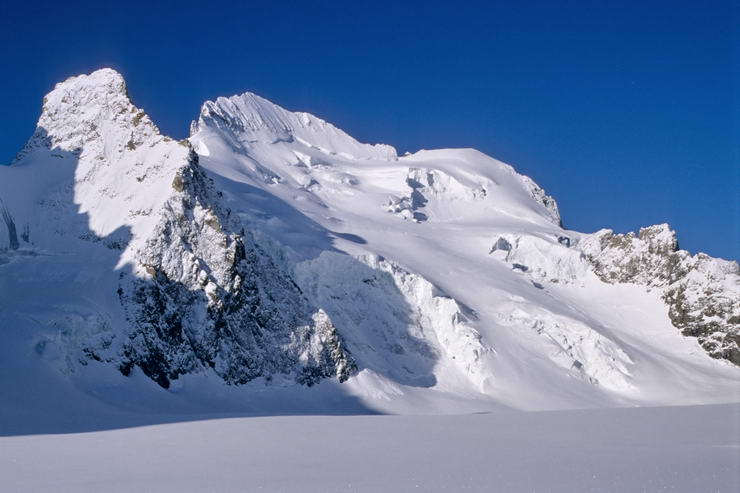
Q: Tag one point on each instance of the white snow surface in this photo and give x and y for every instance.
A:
(678, 449)
(530, 327)
(446, 272)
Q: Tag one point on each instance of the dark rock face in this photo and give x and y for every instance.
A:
(702, 293)
(10, 225)
(198, 292)
(538, 194)
(711, 317)
(215, 299)
(501, 244)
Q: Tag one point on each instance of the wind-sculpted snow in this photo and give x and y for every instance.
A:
(249, 118)
(577, 348)
(424, 184)
(271, 249)
(550, 259)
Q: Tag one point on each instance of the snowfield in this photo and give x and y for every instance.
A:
(676, 449)
(271, 305)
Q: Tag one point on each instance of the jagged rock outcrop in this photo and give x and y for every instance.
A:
(197, 291)
(539, 194)
(215, 299)
(702, 293)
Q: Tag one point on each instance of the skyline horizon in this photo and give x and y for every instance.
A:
(626, 115)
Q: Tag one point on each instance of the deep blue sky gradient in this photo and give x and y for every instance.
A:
(626, 112)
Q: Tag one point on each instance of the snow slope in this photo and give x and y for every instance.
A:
(507, 304)
(271, 264)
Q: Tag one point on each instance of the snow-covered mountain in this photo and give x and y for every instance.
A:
(271, 252)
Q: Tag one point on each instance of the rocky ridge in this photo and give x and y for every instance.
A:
(197, 290)
(702, 293)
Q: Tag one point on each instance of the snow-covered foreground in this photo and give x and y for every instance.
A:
(691, 449)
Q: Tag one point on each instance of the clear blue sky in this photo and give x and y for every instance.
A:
(626, 112)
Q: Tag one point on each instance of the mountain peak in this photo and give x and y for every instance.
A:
(85, 108)
(104, 87)
(103, 77)
(248, 119)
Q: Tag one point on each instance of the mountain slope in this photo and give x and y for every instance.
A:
(271, 251)
(195, 291)
(485, 238)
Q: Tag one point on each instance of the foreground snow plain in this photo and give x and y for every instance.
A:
(676, 449)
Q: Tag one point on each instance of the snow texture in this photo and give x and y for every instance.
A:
(680, 449)
(271, 252)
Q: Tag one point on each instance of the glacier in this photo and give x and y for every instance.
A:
(272, 264)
